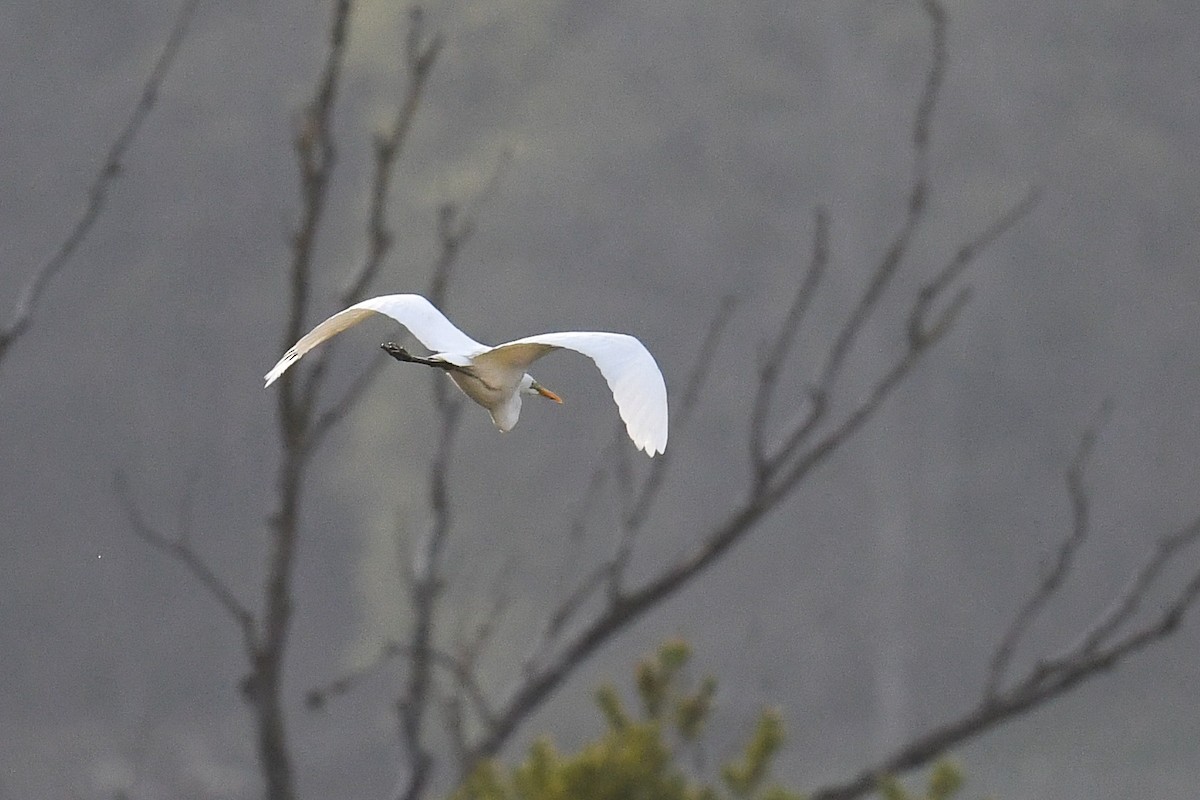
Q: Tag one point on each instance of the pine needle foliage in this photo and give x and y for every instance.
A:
(642, 754)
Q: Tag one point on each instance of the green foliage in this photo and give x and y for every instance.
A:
(638, 756)
(743, 776)
(945, 779)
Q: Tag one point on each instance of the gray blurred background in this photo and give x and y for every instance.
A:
(661, 156)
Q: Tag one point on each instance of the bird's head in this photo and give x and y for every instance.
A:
(530, 386)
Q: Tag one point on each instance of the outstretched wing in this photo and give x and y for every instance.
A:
(414, 312)
(632, 374)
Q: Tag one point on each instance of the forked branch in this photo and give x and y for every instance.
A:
(775, 470)
(1052, 582)
(420, 54)
(1104, 644)
(179, 549)
(110, 170)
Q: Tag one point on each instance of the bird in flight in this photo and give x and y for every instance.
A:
(495, 377)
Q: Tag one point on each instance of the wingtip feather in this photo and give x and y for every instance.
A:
(281, 367)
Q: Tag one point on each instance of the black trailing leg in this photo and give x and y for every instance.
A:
(400, 354)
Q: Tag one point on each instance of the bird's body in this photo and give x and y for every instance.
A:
(496, 377)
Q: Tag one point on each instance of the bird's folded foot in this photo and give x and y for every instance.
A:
(397, 352)
(400, 354)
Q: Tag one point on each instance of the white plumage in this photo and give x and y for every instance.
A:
(495, 377)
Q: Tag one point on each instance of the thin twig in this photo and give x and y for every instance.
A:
(775, 356)
(455, 724)
(110, 170)
(179, 549)
(319, 696)
(566, 610)
(624, 607)
(614, 462)
(931, 292)
(1053, 579)
(427, 577)
(916, 206)
(315, 156)
(1043, 683)
(585, 507)
(330, 417)
(1097, 651)
(419, 60)
(1126, 604)
(471, 649)
(681, 414)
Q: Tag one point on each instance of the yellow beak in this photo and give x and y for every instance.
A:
(544, 392)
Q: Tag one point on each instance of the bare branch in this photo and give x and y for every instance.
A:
(315, 158)
(775, 356)
(330, 417)
(427, 579)
(420, 58)
(922, 337)
(614, 461)
(464, 674)
(921, 332)
(917, 197)
(455, 723)
(682, 413)
(1053, 579)
(179, 549)
(541, 677)
(919, 325)
(109, 171)
(471, 648)
(1043, 684)
(705, 358)
(426, 587)
(577, 528)
(623, 478)
(454, 230)
(316, 153)
(1127, 603)
(565, 612)
(643, 501)
(1097, 651)
(317, 697)
(587, 503)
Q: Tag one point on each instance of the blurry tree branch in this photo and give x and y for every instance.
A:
(1053, 580)
(776, 469)
(179, 547)
(297, 398)
(303, 422)
(110, 170)
(1103, 645)
(420, 57)
(317, 697)
(787, 438)
(426, 571)
(785, 444)
(425, 574)
(609, 574)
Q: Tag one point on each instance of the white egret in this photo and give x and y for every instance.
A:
(495, 377)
